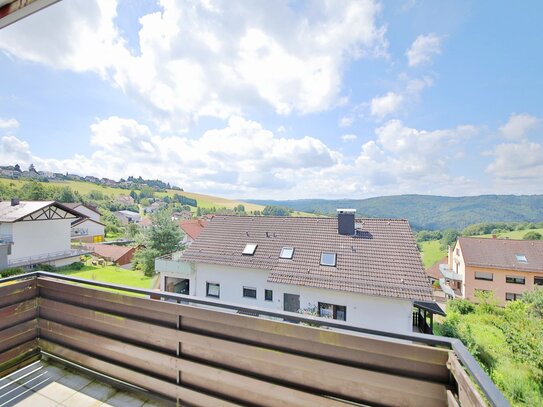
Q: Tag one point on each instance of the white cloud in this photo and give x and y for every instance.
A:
(385, 105)
(517, 162)
(423, 49)
(8, 123)
(348, 137)
(194, 61)
(519, 125)
(346, 121)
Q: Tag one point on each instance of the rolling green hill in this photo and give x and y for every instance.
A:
(431, 212)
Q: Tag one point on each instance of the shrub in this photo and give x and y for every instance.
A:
(46, 267)
(532, 236)
(11, 271)
(463, 307)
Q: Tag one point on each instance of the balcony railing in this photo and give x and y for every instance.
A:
(44, 258)
(203, 352)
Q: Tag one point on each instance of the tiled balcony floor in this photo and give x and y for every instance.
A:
(50, 384)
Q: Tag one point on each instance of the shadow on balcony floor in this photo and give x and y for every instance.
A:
(49, 384)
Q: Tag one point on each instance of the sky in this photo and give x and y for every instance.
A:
(283, 99)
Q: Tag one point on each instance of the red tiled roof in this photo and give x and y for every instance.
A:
(109, 251)
(502, 253)
(193, 227)
(382, 259)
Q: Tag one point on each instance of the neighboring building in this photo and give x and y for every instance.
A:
(88, 227)
(367, 273)
(506, 267)
(192, 229)
(125, 200)
(182, 215)
(154, 207)
(120, 255)
(433, 272)
(40, 232)
(145, 223)
(126, 217)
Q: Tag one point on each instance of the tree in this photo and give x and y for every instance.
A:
(163, 236)
(17, 168)
(532, 236)
(35, 191)
(449, 238)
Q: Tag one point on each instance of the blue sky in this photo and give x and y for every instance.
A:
(280, 99)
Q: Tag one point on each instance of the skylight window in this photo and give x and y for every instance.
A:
(249, 249)
(328, 259)
(286, 253)
(521, 258)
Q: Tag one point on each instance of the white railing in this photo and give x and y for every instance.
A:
(44, 258)
(171, 263)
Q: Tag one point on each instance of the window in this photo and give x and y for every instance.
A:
(538, 280)
(481, 275)
(512, 296)
(286, 253)
(268, 295)
(521, 258)
(249, 249)
(328, 259)
(515, 280)
(338, 312)
(249, 292)
(213, 290)
(457, 251)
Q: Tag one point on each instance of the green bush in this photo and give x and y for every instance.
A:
(532, 236)
(46, 267)
(11, 272)
(463, 307)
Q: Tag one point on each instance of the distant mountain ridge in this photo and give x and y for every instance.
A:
(430, 211)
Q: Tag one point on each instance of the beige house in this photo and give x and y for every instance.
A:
(506, 267)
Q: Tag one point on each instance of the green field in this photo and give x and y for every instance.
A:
(515, 234)
(431, 252)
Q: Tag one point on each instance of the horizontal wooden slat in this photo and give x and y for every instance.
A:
(357, 350)
(18, 334)
(229, 384)
(164, 388)
(19, 352)
(17, 313)
(297, 370)
(13, 293)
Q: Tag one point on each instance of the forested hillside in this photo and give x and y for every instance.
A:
(430, 212)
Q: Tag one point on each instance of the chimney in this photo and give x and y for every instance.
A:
(14, 201)
(345, 221)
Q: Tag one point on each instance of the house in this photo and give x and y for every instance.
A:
(155, 206)
(182, 215)
(87, 228)
(120, 255)
(125, 200)
(192, 229)
(126, 217)
(39, 232)
(368, 273)
(145, 223)
(505, 267)
(433, 272)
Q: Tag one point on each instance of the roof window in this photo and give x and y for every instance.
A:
(249, 249)
(328, 259)
(286, 253)
(521, 258)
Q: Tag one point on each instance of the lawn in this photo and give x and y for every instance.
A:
(112, 274)
(431, 252)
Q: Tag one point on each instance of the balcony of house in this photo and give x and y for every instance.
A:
(171, 264)
(449, 274)
(192, 351)
(46, 258)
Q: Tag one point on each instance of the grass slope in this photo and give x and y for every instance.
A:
(515, 234)
(204, 201)
(431, 252)
(112, 274)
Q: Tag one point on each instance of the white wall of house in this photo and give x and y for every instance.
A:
(88, 212)
(374, 312)
(32, 238)
(87, 228)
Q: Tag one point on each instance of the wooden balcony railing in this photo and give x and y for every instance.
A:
(200, 352)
